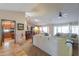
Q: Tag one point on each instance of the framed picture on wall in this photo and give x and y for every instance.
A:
(20, 26)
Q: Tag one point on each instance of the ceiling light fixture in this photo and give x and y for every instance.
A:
(60, 14)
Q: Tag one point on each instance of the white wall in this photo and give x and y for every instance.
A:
(18, 17)
(49, 44)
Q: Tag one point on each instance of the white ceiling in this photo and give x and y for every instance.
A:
(19, 7)
(46, 13)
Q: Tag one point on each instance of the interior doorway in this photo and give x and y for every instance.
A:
(8, 30)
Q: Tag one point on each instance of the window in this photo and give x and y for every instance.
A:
(44, 29)
(75, 29)
(61, 29)
(41, 29)
(65, 29)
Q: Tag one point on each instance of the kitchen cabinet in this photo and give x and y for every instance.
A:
(46, 44)
(55, 46)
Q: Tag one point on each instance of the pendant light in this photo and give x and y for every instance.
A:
(60, 14)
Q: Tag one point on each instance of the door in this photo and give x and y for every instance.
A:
(8, 30)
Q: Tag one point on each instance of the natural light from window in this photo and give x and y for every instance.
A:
(65, 29)
(44, 29)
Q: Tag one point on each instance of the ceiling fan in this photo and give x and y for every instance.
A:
(60, 14)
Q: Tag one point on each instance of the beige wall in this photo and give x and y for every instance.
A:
(0, 33)
(18, 17)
